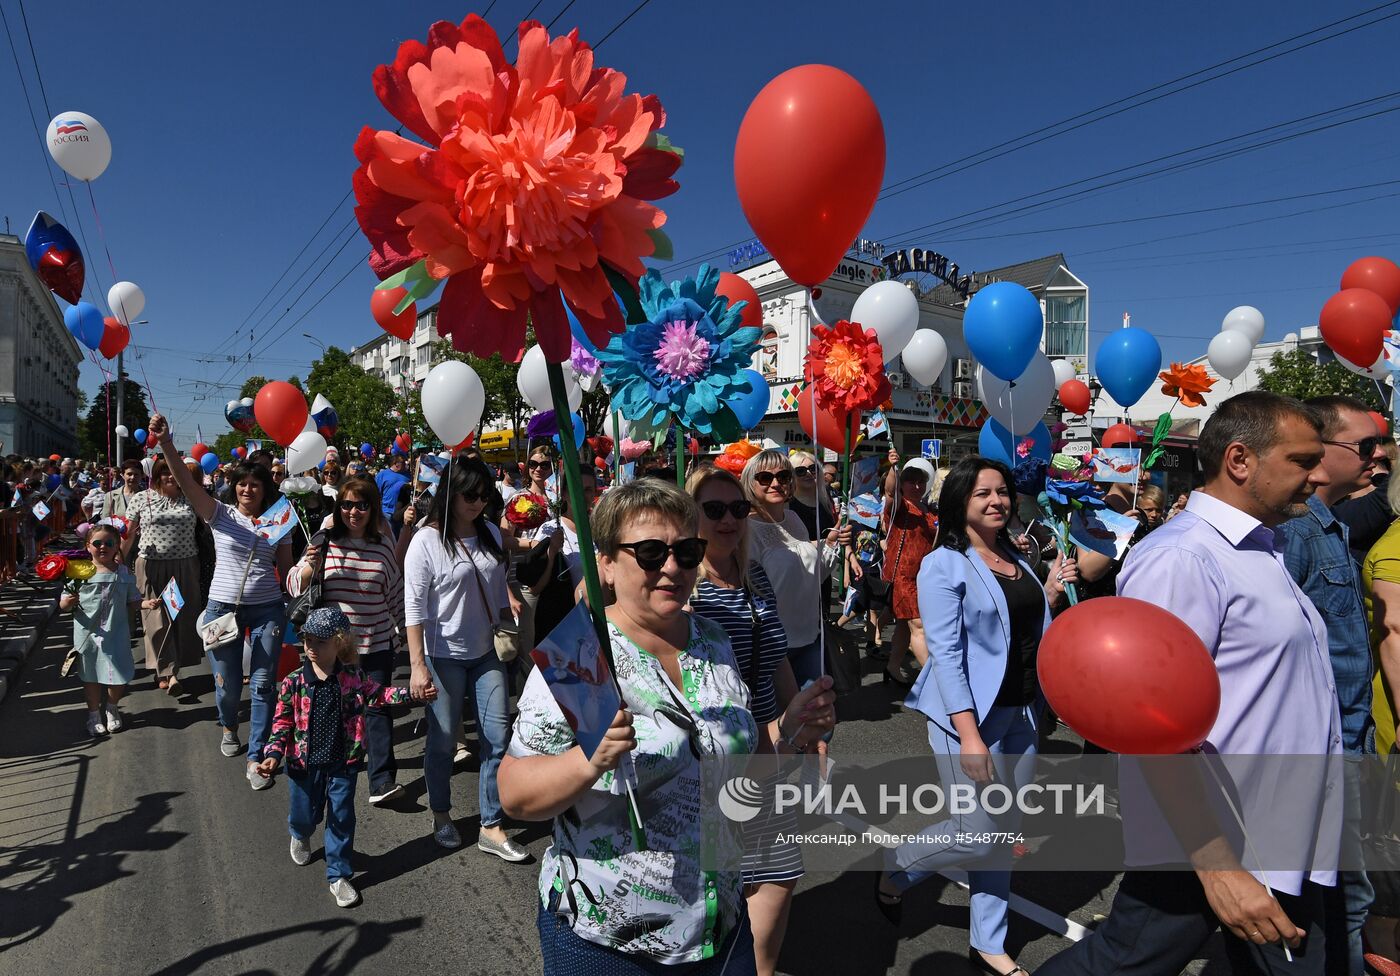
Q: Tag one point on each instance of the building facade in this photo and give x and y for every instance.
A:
(39, 362)
(400, 362)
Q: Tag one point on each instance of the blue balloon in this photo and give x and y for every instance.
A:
(84, 320)
(1002, 326)
(996, 442)
(1127, 363)
(578, 432)
(139, 435)
(749, 408)
(209, 462)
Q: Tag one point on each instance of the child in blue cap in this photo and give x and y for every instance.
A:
(319, 729)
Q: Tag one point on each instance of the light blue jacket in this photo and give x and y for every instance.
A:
(968, 631)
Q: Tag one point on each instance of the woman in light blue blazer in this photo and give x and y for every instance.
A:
(984, 611)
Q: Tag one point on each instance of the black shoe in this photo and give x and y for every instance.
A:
(889, 678)
(982, 966)
(890, 906)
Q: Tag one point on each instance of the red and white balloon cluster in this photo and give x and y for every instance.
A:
(1355, 320)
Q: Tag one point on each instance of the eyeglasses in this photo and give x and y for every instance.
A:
(766, 478)
(103, 543)
(1364, 447)
(806, 471)
(278, 475)
(714, 510)
(349, 505)
(540, 464)
(651, 554)
(472, 497)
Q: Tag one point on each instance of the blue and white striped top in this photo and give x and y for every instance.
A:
(731, 609)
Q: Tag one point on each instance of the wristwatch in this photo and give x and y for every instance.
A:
(791, 741)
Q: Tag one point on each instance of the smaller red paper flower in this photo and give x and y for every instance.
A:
(50, 568)
(846, 366)
(527, 510)
(1188, 383)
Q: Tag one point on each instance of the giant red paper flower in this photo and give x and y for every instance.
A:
(535, 181)
(847, 366)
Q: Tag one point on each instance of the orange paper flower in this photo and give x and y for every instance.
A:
(736, 455)
(847, 368)
(534, 182)
(1188, 383)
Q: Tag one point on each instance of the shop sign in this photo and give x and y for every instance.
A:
(918, 260)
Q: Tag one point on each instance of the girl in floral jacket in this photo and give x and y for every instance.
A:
(320, 729)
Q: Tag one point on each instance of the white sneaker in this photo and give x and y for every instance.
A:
(345, 893)
(301, 853)
(114, 719)
(384, 794)
(256, 780)
(462, 754)
(95, 724)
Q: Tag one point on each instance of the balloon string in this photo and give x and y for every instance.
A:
(147, 381)
(816, 459)
(97, 219)
(107, 386)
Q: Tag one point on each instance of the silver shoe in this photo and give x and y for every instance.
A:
(256, 781)
(301, 851)
(229, 744)
(344, 892)
(508, 850)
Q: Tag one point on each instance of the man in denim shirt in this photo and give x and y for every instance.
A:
(1316, 549)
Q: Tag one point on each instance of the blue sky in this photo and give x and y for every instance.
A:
(233, 132)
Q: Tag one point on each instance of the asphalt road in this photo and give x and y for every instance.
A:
(146, 852)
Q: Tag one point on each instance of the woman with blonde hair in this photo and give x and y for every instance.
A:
(734, 592)
(795, 564)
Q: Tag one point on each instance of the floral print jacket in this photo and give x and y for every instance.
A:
(289, 740)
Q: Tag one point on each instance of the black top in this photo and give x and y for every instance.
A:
(808, 515)
(1026, 603)
(326, 730)
(1366, 518)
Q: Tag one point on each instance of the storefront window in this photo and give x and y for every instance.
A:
(1066, 325)
(768, 354)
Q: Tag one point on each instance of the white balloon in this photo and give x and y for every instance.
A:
(1247, 320)
(453, 401)
(120, 430)
(246, 401)
(307, 451)
(925, 356)
(309, 425)
(1379, 371)
(79, 144)
(1020, 405)
(533, 382)
(319, 404)
(589, 382)
(126, 302)
(1064, 371)
(1229, 353)
(892, 311)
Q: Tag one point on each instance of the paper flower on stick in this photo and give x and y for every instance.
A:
(80, 569)
(527, 510)
(50, 568)
(535, 181)
(847, 367)
(683, 362)
(736, 455)
(1187, 383)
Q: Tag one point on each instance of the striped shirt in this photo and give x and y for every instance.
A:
(729, 607)
(233, 535)
(362, 578)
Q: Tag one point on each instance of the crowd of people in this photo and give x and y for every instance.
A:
(1285, 560)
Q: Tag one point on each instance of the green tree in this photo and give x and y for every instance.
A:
(1299, 373)
(224, 444)
(96, 430)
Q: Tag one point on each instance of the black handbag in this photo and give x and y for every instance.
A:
(310, 598)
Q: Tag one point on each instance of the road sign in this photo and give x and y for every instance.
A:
(1078, 447)
(933, 447)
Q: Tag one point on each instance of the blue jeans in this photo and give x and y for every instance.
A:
(490, 689)
(265, 622)
(1010, 736)
(379, 724)
(328, 790)
(1354, 888)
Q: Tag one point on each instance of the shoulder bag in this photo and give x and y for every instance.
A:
(310, 598)
(224, 628)
(505, 634)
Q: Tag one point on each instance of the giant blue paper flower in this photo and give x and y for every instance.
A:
(1076, 494)
(684, 362)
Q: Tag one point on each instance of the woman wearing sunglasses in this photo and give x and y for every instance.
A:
(796, 566)
(608, 904)
(359, 569)
(911, 530)
(454, 594)
(553, 566)
(734, 592)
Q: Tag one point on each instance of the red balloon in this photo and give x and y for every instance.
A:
(1382, 424)
(1129, 676)
(281, 410)
(808, 165)
(1121, 435)
(404, 441)
(240, 452)
(737, 289)
(1380, 275)
(1353, 324)
(600, 463)
(115, 336)
(1074, 394)
(382, 302)
(199, 450)
(830, 433)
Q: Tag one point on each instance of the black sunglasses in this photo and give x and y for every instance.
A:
(766, 478)
(540, 464)
(349, 506)
(806, 470)
(103, 543)
(714, 510)
(651, 554)
(470, 497)
(1364, 447)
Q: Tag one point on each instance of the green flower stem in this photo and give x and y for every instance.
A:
(573, 482)
(617, 449)
(845, 510)
(1059, 525)
(680, 456)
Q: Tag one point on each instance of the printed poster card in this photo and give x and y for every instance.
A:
(865, 510)
(1102, 530)
(1117, 464)
(173, 599)
(865, 476)
(274, 524)
(877, 424)
(41, 511)
(572, 663)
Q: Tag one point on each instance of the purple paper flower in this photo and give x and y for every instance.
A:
(543, 424)
(681, 354)
(583, 361)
